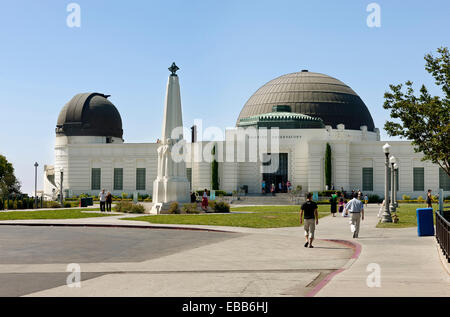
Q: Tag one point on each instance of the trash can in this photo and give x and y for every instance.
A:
(90, 201)
(83, 202)
(425, 222)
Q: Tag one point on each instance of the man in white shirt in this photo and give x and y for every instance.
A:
(102, 198)
(356, 209)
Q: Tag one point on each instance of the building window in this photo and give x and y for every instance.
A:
(444, 180)
(367, 179)
(418, 179)
(118, 179)
(397, 184)
(189, 175)
(140, 179)
(95, 178)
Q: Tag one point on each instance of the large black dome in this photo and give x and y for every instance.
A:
(312, 94)
(90, 114)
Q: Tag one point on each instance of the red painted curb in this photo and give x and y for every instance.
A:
(357, 251)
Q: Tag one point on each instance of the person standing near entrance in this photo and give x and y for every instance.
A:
(309, 212)
(263, 187)
(102, 198)
(356, 209)
(108, 201)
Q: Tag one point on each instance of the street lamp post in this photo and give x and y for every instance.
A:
(396, 185)
(35, 185)
(61, 196)
(386, 214)
(392, 208)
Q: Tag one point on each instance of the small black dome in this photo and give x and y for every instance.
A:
(312, 94)
(89, 114)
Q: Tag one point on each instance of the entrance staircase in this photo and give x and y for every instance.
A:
(259, 199)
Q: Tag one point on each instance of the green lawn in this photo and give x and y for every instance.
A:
(257, 217)
(407, 216)
(50, 214)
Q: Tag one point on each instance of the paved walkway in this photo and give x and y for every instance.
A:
(267, 262)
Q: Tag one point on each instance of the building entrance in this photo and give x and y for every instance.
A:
(273, 175)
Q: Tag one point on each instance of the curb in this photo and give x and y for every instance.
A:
(109, 226)
(356, 253)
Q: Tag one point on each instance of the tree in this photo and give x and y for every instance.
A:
(8, 181)
(328, 166)
(214, 171)
(425, 120)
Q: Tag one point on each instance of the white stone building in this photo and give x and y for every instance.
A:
(309, 109)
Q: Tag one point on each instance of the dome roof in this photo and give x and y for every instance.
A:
(312, 94)
(89, 114)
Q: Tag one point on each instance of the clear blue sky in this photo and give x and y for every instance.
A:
(226, 51)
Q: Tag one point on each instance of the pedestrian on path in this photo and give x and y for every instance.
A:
(333, 202)
(356, 209)
(366, 200)
(309, 212)
(429, 199)
(102, 198)
(341, 204)
(205, 200)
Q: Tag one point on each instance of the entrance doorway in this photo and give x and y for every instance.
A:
(280, 176)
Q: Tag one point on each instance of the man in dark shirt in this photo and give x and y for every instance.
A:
(309, 210)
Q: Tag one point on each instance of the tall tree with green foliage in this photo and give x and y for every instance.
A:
(8, 181)
(424, 119)
(328, 166)
(214, 171)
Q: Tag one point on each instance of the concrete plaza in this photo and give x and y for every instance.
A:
(229, 262)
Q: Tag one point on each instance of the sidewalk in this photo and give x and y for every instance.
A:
(269, 262)
(409, 265)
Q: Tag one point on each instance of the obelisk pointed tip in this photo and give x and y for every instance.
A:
(173, 69)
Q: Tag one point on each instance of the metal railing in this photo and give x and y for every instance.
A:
(443, 227)
(443, 234)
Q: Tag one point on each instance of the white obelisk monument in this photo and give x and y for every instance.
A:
(171, 184)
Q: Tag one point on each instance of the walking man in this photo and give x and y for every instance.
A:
(102, 198)
(356, 209)
(309, 210)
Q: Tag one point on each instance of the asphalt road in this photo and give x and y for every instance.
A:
(47, 245)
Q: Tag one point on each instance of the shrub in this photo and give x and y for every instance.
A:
(174, 208)
(212, 204)
(137, 209)
(148, 200)
(420, 198)
(50, 204)
(124, 195)
(190, 208)
(406, 197)
(221, 207)
(123, 206)
(2, 206)
(328, 193)
(67, 204)
(375, 199)
(221, 193)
